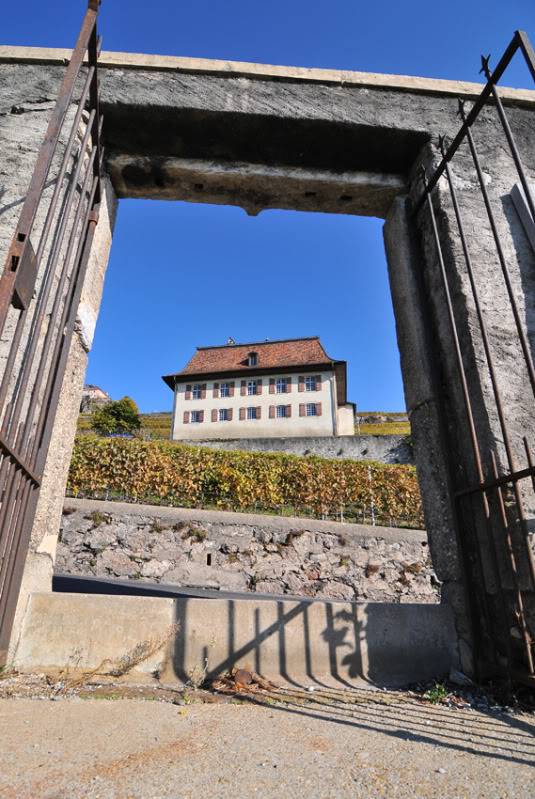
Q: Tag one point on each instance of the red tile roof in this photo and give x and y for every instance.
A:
(291, 354)
(270, 355)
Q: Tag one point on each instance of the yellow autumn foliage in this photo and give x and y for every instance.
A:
(186, 476)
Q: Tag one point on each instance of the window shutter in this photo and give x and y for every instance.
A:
(318, 382)
(186, 417)
(203, 391)
(318, 408)
(301, 386)
(201, 416)
(271, 411)
(288, 411)
(216, 390)
(242, 414)
(231, 389)
(243, 391)
(271, 385)
(302, 409)
(258, 386)
(288, 385)
(214, 414)
(188, 392)
(229, 414)
(258, 412)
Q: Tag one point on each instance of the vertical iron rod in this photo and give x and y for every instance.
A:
(469, 416)
(510, 139)
(490, 364)
(521, 614)
(501, 256)
(33, 197)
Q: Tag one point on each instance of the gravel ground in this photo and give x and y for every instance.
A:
(325, 744)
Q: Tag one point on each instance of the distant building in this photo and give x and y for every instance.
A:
(91, 396)
(262, 389)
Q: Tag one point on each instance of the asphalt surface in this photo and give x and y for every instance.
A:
(134, 749)
(74, 584)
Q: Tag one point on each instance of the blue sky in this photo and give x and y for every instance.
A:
(214, 272)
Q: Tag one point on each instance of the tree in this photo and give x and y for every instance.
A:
(118, 416)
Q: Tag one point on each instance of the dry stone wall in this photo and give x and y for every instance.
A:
(245, 552)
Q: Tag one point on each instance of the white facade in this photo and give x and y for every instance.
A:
(309, 403)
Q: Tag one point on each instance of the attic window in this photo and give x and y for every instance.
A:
(252, 359)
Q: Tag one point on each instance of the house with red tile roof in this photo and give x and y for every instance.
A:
(261, 389)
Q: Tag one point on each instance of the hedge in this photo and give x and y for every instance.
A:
(187, 476)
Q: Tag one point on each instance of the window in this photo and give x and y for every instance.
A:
(311, 385)
(251, 413)
(197, 392)
(282, 385)
(251, 387)
(196, 416)
(224, 390)
(223, 415)
(282, 411)
(311, 408)
(252, 359)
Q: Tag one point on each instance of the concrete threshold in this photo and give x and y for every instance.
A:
(289, 641)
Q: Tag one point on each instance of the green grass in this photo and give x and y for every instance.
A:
(384, 429)
(391, 414)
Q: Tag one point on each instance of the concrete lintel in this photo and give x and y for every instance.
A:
(254, 187)
(284, 523)
(143, 61)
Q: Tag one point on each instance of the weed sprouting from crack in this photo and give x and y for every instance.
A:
(142, 651)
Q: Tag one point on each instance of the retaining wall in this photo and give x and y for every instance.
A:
(245, 552)
(385, 449)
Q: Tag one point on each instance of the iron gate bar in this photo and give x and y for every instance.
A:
(518, 323)
(527, 51)
(51, 330)
(44, 161)
(510, 138)
(90, 215)
(482, 325)
(22, 462)
(473, 435)
(520, 41)
(23, 431)
(48, 277)
(497, 483)
(15, 411)
(521, 614)
(530, 461)
(8, 451)
(513, 477)
(65, 160)
(501, 257)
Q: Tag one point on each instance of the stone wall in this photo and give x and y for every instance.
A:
(245, 552)
(385, 449)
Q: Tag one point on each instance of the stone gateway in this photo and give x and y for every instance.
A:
(461, 267)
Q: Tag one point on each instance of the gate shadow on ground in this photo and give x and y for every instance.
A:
(496, 736)
(303, 643)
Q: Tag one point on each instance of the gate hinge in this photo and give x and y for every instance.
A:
(25, 267)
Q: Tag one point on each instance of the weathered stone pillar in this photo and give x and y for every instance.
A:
(477, 554)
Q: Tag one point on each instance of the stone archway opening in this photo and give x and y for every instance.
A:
(259, 136)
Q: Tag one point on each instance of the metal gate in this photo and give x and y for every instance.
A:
(39, 294)
(499, 601)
